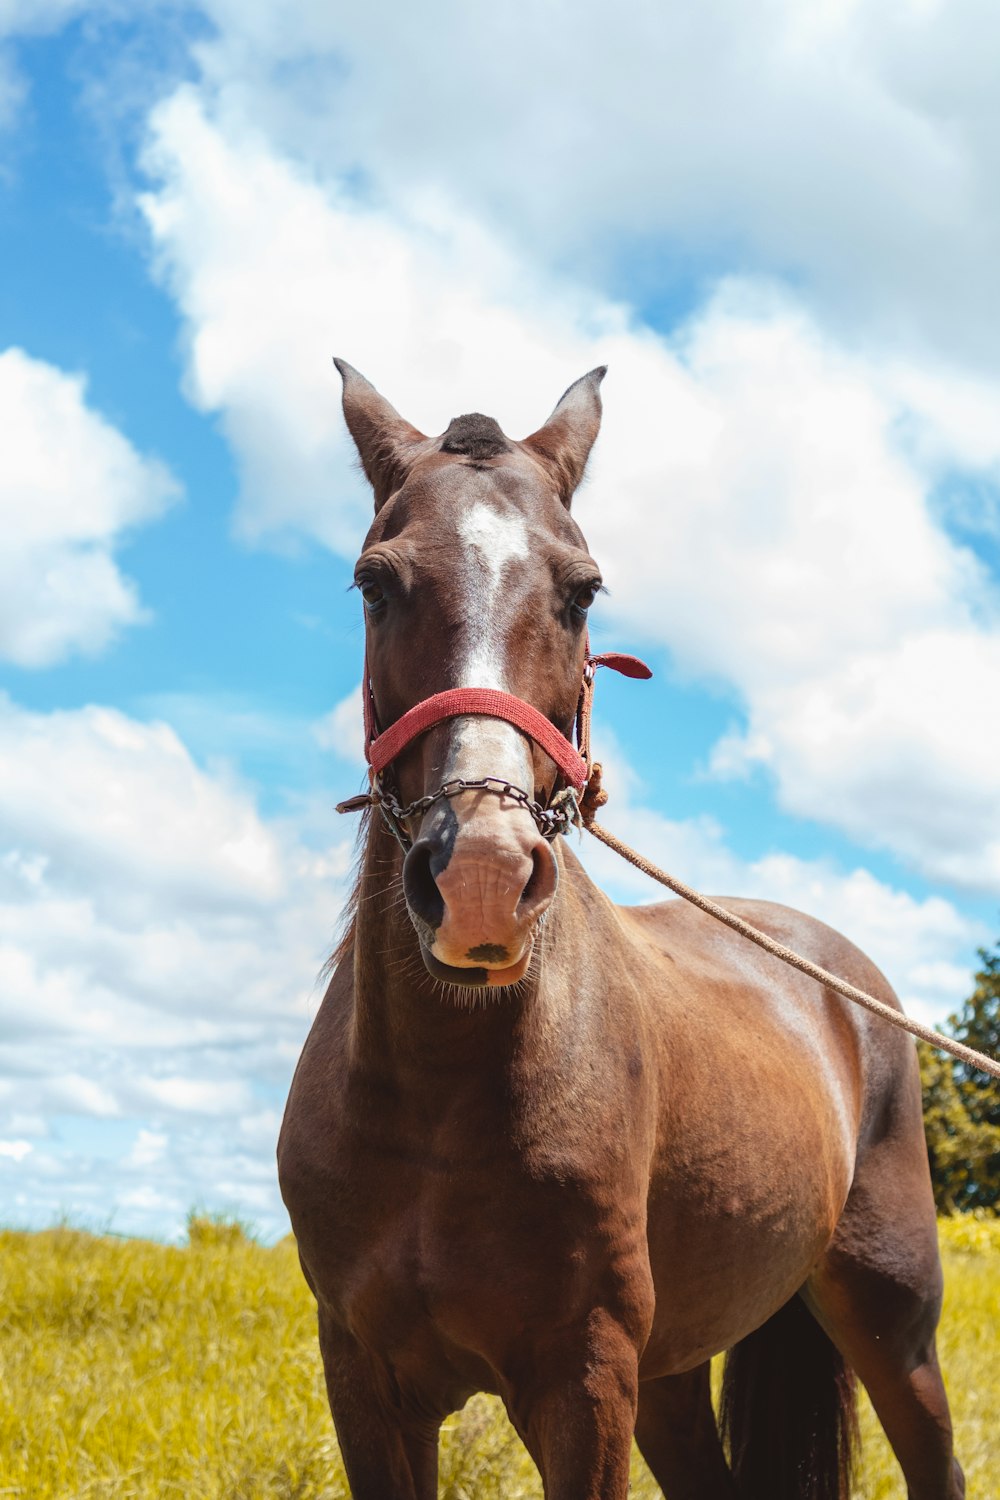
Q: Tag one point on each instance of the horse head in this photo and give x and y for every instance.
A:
(474, 575)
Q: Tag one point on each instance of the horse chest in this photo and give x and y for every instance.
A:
(432, 1257)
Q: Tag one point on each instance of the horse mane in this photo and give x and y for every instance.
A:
(373, 847)
(349, 913)
(476, 436)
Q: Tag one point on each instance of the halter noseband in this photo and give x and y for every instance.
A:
(562, 811)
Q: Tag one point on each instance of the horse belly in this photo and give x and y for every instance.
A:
(735, 1230)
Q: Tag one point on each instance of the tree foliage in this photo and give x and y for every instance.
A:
(962, 1104)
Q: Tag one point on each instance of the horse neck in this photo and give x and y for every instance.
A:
(403, 1018)
(409, 1024)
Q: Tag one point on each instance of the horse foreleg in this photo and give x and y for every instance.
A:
(679, 1438)
(573, 1403)
(387, 1455)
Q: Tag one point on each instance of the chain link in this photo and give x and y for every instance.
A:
(563, 812)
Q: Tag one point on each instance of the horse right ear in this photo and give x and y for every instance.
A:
(386, 443)
(564, 443)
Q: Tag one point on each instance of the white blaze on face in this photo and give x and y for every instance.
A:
(490, 541)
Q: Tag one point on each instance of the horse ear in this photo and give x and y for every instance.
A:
(564, 443)
(386, 443)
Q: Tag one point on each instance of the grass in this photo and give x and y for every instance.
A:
(131, 1370)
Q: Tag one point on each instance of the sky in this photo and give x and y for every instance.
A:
(777, 225)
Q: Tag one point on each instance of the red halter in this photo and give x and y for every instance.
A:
(561, 811)
(382, 749)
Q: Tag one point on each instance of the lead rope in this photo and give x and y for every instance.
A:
(977, 1060)
(594, 797)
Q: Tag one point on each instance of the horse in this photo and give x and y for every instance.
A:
(560, 1150)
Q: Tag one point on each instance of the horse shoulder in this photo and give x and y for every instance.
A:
(746, 993)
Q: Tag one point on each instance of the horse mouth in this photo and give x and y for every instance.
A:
(479, 977)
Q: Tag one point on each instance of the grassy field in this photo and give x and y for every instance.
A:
(130, 1370)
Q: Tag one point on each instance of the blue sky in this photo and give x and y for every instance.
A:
(780, 232)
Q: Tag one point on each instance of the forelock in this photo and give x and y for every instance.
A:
(476, 436)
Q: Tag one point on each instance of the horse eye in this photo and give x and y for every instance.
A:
(371, 594)
(584, 598)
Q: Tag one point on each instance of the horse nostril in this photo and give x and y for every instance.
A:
(541, 883)
(531, 884)
(419, 886)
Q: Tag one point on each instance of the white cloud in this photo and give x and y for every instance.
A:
(760, 497)
(198, 1096)
(230, 219)
(852, 146)
(104, 795)
(71, 486)
(790, 550)
(342, 729)
(902, 743)
(149, 1148)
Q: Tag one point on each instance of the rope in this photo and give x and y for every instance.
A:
(977, 1060)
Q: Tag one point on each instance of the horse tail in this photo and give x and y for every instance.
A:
(788, 1414)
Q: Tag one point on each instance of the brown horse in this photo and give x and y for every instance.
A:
(564, 1151)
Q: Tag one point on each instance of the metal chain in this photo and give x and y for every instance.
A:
(562, 813)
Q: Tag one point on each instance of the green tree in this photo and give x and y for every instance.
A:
(962, 1104)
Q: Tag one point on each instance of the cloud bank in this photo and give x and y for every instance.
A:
(850, 148)
(160, 944)
(761, 497)
(789, 514)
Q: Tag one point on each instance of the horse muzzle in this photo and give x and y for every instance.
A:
(477, 882)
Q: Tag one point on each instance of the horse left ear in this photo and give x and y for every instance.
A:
(387, 444)
(564, 443)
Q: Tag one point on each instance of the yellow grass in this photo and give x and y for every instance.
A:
(130, 1370)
